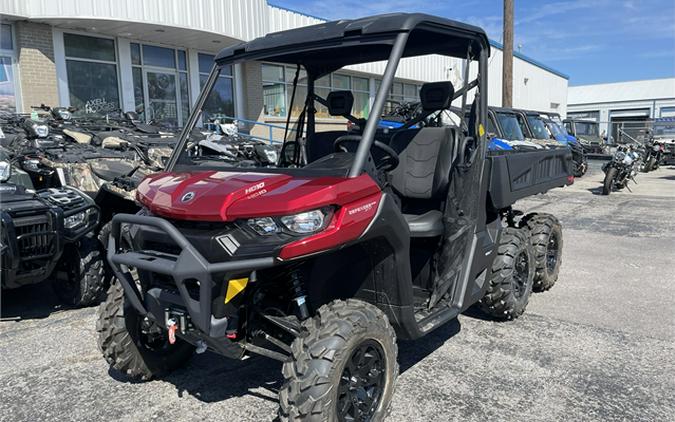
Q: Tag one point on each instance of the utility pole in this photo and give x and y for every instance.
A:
(507, 57)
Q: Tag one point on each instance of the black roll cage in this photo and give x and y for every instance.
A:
(456, 40)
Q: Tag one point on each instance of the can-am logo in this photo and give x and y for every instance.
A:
(363, 208)
(188, 197)
(254, 188)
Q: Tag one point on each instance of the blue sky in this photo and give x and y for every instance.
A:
(592, 41)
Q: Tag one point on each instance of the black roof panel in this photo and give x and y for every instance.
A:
(319, 45)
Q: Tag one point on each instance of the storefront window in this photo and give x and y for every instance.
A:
(160, 81)
(278, 89)
(7, 60)
(92, 74)
(274, 90)
(220, 102)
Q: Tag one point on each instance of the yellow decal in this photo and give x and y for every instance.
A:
(481, 129)
(234, 287)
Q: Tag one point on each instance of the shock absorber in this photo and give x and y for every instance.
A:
(299, 296)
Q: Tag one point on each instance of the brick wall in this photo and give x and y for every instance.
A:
(36, 64)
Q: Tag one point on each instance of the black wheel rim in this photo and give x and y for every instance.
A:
(361, 383)
(552, 253)
(521, 272)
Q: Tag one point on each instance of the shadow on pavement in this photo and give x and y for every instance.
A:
(596, 191)
(35, 301)
(211, 378)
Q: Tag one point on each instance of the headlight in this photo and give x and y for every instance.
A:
(271, 155)
(5, 171)
(620, 156)
(79, 219)
(64, 114)
(263, 226)
(303, 223)
(41, 130)
(306, 222)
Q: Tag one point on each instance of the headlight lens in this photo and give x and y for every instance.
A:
(263, 226)
(272, 155)
(41, 130)
(306, 222)
(79, 219)
(303, 223)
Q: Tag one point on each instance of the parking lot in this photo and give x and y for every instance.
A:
(599, 346)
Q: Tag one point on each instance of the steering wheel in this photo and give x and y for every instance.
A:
(386, 162)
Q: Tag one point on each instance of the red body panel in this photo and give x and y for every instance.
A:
(227, 196)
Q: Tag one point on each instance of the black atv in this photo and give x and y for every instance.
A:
(49, 233)
(380, 235)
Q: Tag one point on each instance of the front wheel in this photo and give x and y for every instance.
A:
(79, 279)
(134, 345)
(608, 183)
(344, 368)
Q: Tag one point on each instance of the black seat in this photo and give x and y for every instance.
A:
(320, 144)
(426, 156)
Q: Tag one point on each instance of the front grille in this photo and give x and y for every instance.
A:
(36, 241)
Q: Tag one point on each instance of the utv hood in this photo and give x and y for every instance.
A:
(227, 196)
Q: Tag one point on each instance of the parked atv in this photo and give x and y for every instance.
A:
(663, 133)
(322, 266)
(588, 134)
(49, 233)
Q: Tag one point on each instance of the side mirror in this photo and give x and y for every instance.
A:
(5, 171)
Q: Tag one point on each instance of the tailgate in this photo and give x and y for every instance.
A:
(516, 176)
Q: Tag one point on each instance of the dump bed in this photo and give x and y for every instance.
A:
(516, 176)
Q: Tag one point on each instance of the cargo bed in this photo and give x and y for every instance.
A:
(516, 176)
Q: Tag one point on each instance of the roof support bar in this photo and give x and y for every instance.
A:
(378, 105)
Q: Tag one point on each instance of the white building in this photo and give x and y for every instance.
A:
(622, 105)
(152, 56)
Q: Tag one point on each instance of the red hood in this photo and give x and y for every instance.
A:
(227, 196)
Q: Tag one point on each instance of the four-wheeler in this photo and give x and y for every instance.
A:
(663, 133)
(538, 126)
(381, 235)
(49, 233)
(588, 134)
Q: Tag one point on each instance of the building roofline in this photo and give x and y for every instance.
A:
(624, 82)
(530, 60)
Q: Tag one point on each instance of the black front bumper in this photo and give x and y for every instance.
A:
(188, 266)
(31, 246)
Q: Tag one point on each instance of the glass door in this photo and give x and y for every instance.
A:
(162, 97)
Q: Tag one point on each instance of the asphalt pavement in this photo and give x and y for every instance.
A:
(600, 346)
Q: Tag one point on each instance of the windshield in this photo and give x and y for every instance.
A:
(510, 127)
(664, 128)
(586, 128)
(538, 127)
(555, 129)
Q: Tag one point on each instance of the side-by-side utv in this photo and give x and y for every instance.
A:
(354, 240)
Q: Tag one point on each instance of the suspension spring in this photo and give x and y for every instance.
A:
(299, 296)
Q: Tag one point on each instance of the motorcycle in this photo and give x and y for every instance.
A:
(654, 152)
(620, 169)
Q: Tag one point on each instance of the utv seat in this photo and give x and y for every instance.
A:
(426, 157)
(320, 144)
(422, 177)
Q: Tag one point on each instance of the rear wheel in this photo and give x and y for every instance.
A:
(79, 279)
(608, 183)
(547, 243)
(511, 276)
(132, 344)
(344, 368)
